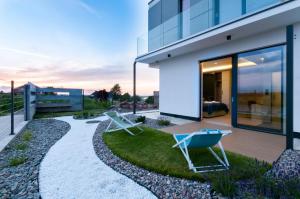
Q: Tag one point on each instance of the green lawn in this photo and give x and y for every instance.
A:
(5, 103)
(153, 150)
(90, 105)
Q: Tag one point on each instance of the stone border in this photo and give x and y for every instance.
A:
(160, 185)
(22, 181)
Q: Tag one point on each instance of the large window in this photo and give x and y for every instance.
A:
(260, 95)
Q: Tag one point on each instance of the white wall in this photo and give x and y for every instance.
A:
(179, 87)
(297, 78)
(179, 76)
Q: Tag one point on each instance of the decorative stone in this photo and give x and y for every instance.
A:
(22, 181)
(287, 167)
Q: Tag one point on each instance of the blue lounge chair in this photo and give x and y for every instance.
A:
(121, 122)
(205, 138)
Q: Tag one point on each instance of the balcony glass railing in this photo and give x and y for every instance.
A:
(199, 17)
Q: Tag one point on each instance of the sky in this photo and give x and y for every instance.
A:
(88, 44)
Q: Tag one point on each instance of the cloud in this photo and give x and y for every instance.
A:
(88, 8)
(23, 52)
(5, 88)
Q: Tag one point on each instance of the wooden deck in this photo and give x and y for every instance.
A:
(262, 146)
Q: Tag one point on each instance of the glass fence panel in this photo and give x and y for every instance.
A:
(200, 16)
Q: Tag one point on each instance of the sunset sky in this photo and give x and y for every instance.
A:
(89, 44)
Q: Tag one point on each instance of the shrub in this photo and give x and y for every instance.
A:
(141, 119)
(225, 185)
(85, 114)
(27, 136)
(13, 162)
(21, 146)
(150, 100)
(272, 188)
(163, 122)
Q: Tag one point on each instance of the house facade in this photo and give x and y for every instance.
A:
(234, 61)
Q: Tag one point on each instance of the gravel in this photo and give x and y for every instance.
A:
(287, 167)
(160, 185)
(22, 181)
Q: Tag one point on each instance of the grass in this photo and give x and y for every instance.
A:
(153, 151)
(5, 103)
(21, 146)
(13, 162)
(91, 106)
(27, 136)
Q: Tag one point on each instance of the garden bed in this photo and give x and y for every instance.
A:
(149, 160)
(20, 160)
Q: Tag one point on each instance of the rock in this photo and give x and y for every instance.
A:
(287, 167)
(22, 181)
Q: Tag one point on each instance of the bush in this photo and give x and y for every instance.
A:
(13, 162)
(150, 100)
(225, 185)
(163, 122)
(21, 146)
(140, 119)
(272, 188)
(85, 114)
(27, 136)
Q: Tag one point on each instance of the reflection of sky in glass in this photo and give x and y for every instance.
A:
(264, 75)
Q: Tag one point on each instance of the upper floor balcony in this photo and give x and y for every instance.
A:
(196, 17)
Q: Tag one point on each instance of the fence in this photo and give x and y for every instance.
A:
(59, 100)
(11, 110)
(21, 104)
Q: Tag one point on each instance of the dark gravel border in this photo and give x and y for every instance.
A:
(160, 185)
(22, 181)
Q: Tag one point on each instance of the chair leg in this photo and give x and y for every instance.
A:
(217, 157)
(191, 165)
(141, 130)
(186, 156)
(223, 153)
(128, 131)
(108, 126)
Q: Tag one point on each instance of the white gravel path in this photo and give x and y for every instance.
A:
(71, 169)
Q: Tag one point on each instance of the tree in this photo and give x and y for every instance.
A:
(116, 92)
(101, 95)
(150, 100)
(125, 97)
(138, 98)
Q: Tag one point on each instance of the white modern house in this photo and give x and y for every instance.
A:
(235, 61)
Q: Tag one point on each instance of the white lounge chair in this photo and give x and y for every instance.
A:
(205, 138)
(122, 122)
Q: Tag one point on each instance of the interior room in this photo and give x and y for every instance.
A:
(216, 90)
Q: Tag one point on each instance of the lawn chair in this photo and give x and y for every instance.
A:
(205, 138)
(122, 122)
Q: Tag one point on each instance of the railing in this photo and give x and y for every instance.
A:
(199, 17)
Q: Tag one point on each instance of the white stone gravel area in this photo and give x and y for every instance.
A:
(71, 169)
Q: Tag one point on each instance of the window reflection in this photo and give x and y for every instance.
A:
(260, 88)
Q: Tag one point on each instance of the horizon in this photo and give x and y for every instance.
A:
(73, 44)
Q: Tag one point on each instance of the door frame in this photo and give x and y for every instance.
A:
(201, 84)
(234, 91)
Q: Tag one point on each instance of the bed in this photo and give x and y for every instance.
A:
(214, 109)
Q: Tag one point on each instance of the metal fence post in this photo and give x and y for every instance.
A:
(26, 102)
(12, 125)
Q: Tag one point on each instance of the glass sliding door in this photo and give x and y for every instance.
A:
(260, 89)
